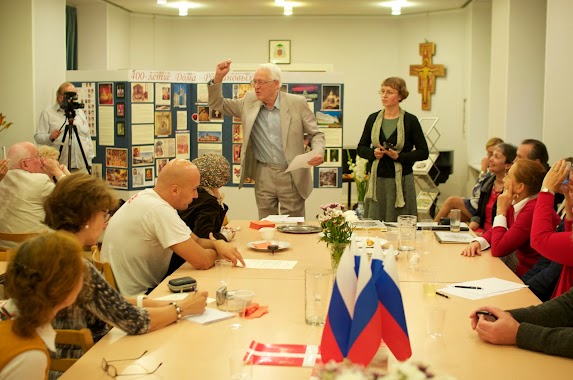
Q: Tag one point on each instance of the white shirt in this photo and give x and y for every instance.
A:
(137, 241)
(29, 365)
(21, 202)
(51, 119)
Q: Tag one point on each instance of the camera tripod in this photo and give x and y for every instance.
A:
(70, 130)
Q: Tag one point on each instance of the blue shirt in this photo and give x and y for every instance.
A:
(266, 135)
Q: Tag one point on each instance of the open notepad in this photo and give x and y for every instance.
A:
(448, 237)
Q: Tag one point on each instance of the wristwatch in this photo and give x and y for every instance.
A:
(546, 190)
(211, 82)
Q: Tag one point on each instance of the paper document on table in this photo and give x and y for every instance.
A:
(301, 161)
(210, 316)
(446, 237)
(276, 218)
(489, 287)
(270, 264)
(179, 297)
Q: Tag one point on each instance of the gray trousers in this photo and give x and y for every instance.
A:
(273, 187)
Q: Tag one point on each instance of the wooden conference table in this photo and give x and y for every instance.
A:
(192, 351)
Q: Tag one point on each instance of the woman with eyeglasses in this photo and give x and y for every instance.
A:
(392, 142)
(80, 204)
(44, 276)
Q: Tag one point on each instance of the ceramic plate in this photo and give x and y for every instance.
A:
(299, 229)
(361, 241)
(261, 245)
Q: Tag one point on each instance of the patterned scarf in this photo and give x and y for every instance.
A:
(375, 136)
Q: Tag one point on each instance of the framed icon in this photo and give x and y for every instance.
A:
(279, 51)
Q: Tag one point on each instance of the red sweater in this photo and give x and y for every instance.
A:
(556, 246)
(516, 237)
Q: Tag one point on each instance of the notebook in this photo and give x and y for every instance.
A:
(448, 237)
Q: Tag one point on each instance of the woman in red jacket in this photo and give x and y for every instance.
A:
(512, 224)
(556, 246)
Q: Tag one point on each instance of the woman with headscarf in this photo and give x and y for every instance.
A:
(206, 214)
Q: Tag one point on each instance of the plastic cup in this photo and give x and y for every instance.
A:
(430, 283)
(407, 232)
(267, 233)
(455, 216)
(223, 268)
(435, 321)
(318, 289)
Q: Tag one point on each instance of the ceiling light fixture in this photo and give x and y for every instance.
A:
(280, 2)
(161, 2)
(183, 11)
(396, 10)
(288, 9)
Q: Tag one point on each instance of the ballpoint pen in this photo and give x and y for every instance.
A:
(467, 287)
(442, 295)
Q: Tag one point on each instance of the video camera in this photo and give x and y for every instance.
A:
(70, 104)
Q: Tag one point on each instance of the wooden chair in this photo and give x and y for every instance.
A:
(103, 267)
(6, 255)
(81, 338)
(17, 238)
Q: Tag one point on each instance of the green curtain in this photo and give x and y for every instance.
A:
(71, 38)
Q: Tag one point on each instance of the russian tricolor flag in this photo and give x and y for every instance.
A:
(366, 307)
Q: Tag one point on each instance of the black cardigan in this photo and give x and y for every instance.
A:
(205, 215)
(413, 138)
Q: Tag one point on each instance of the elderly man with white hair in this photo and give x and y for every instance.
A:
(23, 189)
(274, 125)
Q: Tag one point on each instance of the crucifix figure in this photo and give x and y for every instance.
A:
(427, 73)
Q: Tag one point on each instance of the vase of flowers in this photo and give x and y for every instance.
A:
(336, 227)
(359, 172)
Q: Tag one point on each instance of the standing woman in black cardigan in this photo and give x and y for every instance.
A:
(392, 141)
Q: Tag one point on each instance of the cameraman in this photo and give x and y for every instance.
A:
(50, 131)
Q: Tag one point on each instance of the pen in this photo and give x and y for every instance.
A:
(442, 295)
(467, 287)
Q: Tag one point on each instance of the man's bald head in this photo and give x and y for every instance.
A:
(25, 156)
(177, 183)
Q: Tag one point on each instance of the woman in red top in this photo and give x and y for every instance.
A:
(512, 224)
(556, 246)
(499, 164)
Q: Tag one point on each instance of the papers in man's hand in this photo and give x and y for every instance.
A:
(270, 264)
(454, 237)
(210, 316)
(301, 161)
(490, 287)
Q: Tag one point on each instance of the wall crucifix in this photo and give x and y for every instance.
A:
(427, 73)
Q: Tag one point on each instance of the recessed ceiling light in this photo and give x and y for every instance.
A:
(280, 2)
(288, 8)
(161, 2)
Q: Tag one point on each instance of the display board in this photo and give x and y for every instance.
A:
(140, 123)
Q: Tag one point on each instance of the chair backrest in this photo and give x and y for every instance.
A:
(6, 255)
(81, 338)
(103, 267)
(16, 238)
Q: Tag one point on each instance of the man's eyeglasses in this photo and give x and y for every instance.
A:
(112, 371)
(38, 156)
(261, 82)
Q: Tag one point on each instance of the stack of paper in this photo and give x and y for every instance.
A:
(488, 287)
(284, 219)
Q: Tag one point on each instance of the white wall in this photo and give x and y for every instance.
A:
(558, 118)
(118, 38)
(33, 60)
(93, 36)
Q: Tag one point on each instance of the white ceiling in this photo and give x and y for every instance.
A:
(268, 7)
